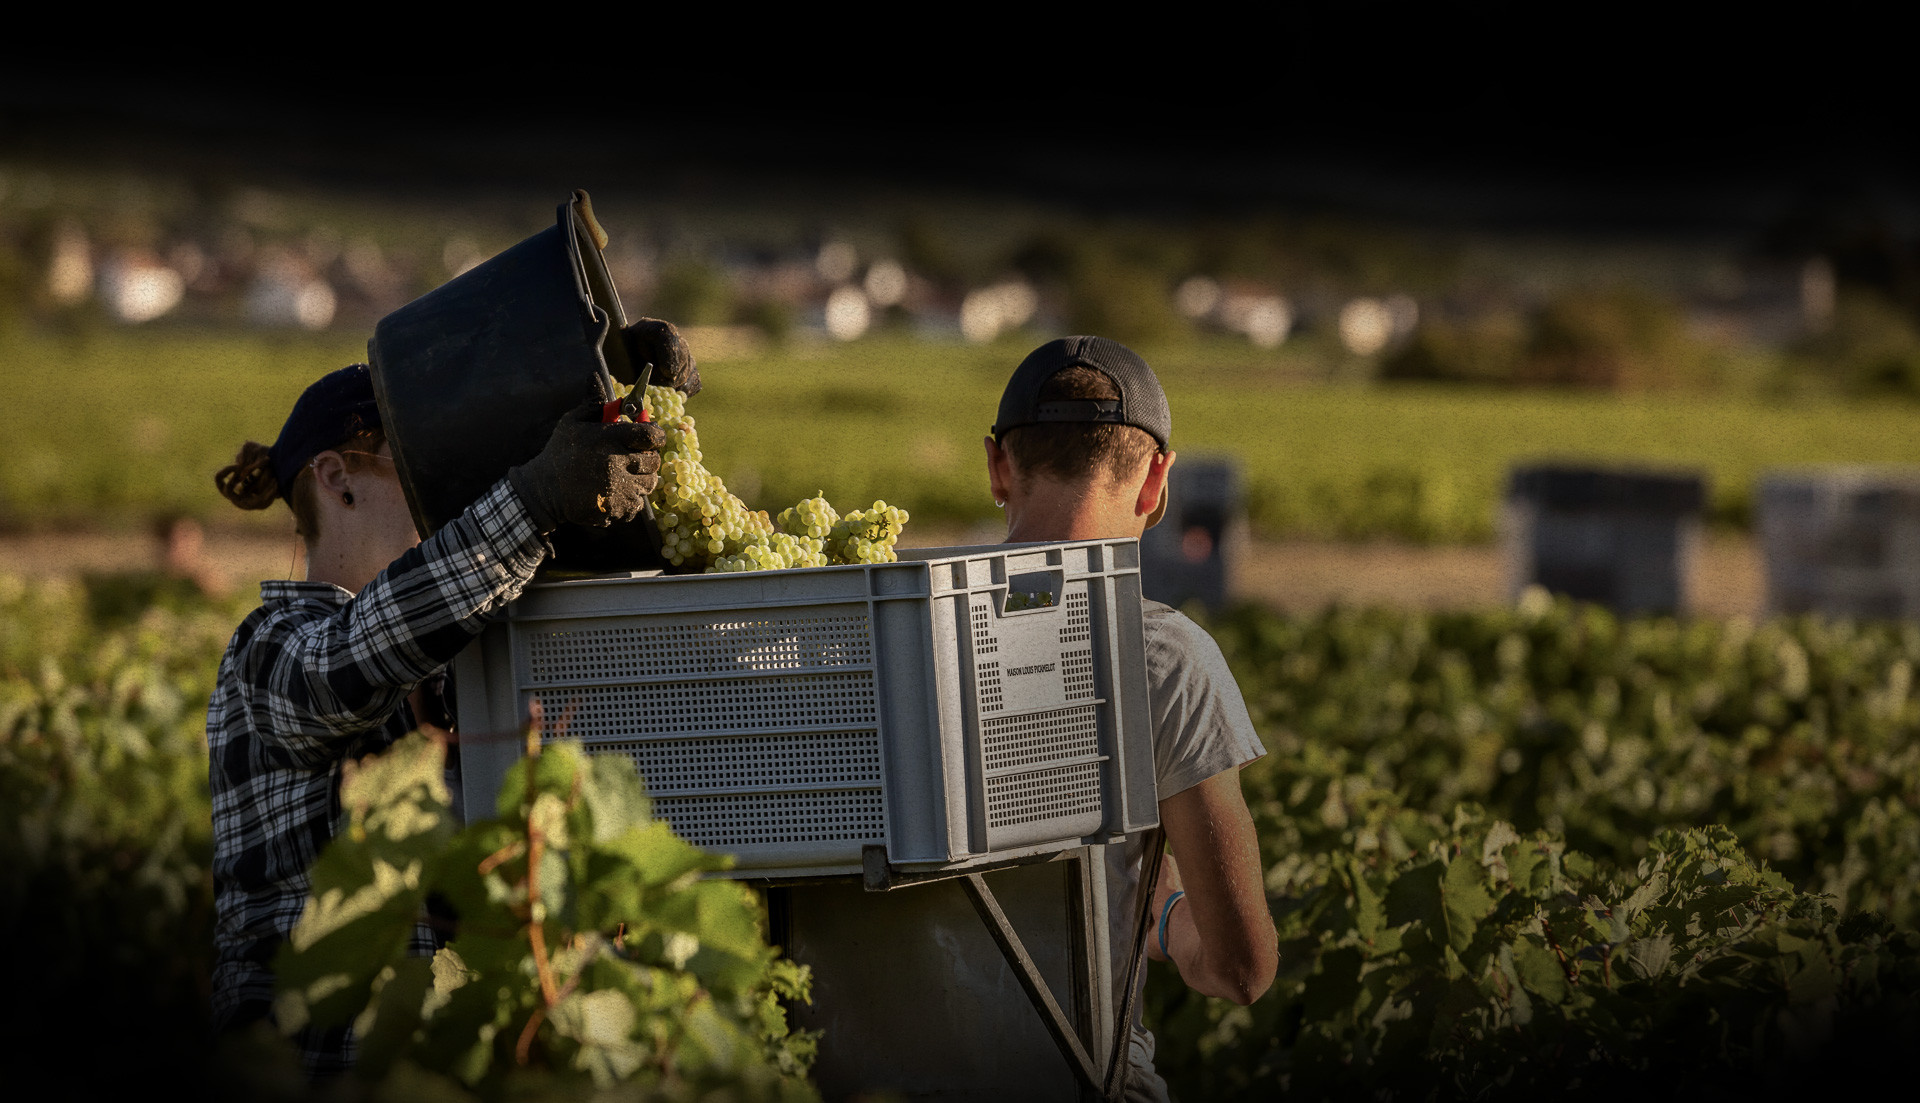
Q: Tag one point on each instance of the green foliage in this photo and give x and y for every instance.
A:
(1507, 851)
(1116, 285)
(1801, 735)
(1871, 347)
(1410, 462)
(1122, 299)
(1601, 924)
(105, 852)
(692, 292)
(589, 951)
(184, 403)
(771, 317)
(1624, 339)
(105, 828)
(1621, 340)
(1486, 350)
(1453, 957)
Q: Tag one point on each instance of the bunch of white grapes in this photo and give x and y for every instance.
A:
(705, 526)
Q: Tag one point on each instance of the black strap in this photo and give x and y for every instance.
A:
(1079, 409)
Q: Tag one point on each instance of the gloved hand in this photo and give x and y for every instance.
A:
(589, 473)
(652, 341)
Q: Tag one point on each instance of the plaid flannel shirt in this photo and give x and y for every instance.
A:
(311, 678)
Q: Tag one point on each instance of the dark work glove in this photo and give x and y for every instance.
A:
(589, 473)
(652, 341)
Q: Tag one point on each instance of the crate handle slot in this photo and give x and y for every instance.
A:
(1036, 592)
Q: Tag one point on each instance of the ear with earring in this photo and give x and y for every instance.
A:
(998, 504)
(346, 497)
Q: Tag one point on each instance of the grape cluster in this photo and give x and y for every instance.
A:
(866, 536)
(705, 526)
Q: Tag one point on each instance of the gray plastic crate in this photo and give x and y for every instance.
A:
(1622, 538)
(1192, 553)
(959, 706)
(1842, 541)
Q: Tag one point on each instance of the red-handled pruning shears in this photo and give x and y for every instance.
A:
(633, 405)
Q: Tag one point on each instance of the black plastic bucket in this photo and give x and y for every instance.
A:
(472, 377)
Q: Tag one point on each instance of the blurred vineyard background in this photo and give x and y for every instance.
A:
(1376, 365)
(1376, 350)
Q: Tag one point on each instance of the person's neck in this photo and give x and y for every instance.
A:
(1048, 511)
(352, 549)
(336, 561)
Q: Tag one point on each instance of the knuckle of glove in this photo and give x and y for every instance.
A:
(626, 502)
(645, 437)
(658, 342)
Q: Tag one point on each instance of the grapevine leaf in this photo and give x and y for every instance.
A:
(614, 798)
(450, 972)
(1500, 836)
(549, 817)
(1538, 969)
(1515, 992)
(1467, 902)
(1648, 957)
(658, 856)
(1527, 868)
(1602, 924)
(710, 1043)
(1578, 866)
(386, 1028)
(556, 886)
(481, 898)
(1650, 892)
(1369, 917)
(601, 1024)
(459, 1032)
(1713, 903)
(368, 885)
(1414, 896)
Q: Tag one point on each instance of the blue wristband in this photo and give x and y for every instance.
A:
(1166, 910)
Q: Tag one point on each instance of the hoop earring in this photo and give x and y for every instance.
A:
(347, 497)
(998, 504)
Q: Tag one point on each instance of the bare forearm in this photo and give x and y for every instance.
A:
(1237, 963)
(1220, 933)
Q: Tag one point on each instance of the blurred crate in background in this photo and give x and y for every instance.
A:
(1620, 538)
(959, 706)
(1843, 541)
(1191, 555)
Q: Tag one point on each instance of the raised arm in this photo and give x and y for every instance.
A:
(332, 677)
(335, 676)
(1220, 934)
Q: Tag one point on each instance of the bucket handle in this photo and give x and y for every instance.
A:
(594, 284)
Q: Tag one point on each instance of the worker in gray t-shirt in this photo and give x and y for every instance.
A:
(1080, 452)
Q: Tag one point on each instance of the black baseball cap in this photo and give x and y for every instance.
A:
(1142, 404)
(337, 406)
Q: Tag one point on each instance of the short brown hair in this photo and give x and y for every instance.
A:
(1075, 450)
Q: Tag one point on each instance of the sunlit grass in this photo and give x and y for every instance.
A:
(114, 426)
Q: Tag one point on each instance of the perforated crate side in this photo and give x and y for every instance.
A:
(792, 718)
(1054, 700)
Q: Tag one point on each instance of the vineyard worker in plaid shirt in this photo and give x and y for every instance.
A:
(1080, 452)
(327, 669)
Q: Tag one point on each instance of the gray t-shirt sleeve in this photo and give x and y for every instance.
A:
(1200, 722)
